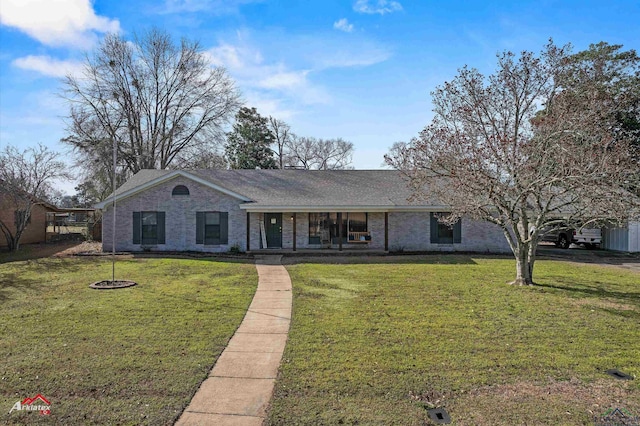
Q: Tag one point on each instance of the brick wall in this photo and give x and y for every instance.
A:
(180, 217)
(411, 231)
(35, 232)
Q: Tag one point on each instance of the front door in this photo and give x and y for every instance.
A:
(273, 229)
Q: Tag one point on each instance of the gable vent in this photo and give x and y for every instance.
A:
(180, 190)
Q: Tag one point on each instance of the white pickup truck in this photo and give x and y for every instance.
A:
(563, 238)
(589, 237)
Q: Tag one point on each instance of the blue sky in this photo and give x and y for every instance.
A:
(357, 69)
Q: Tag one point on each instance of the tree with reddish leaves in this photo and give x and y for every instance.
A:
(523, 149)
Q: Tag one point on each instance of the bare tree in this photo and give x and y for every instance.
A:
(517, 150)
(203, 160)
(153, 98)
(319, 154)
(398, 155)
(25, 180)
(283, 137)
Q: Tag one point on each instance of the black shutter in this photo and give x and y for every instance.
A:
(137, 228)
(434, 229)
(224, 228)
(161, 233)
(199, 227)
(457, 232)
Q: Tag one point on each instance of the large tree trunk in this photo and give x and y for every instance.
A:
(12, 243)
(524, 265)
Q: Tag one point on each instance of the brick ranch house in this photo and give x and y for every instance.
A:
(217, 210)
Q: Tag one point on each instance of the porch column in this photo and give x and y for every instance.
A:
(294, 231)
(339, 231)
(386, 231)
(248, 230)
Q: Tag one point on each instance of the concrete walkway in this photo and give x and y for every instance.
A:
(239, 387)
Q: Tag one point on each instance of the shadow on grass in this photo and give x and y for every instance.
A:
(594, 292)
(207, 257)
(13, 282)
(625, 313)
(36, 251)
(190, 300)
(394, 258)
(582, 255)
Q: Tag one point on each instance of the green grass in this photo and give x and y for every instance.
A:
(128, 356)
(380, 343)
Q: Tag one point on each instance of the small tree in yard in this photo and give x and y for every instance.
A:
(525, 150)
(25, 179)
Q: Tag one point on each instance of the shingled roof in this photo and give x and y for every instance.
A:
(384, 189)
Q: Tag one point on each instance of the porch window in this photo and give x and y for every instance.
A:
(358, 229)
(212, 228)
(445, 234)
(318, 227)
(148, 228)
(324, 228)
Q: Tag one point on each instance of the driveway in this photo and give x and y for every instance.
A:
(579, 254)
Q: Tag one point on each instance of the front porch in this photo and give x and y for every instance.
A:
(317, 232)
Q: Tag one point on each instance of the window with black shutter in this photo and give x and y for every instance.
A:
(212, 228)
(149, 228)
(442, 233)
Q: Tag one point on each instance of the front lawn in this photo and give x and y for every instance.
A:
(379, 343)
(128, 356)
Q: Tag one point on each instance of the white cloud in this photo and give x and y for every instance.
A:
(330, 51)
(57, 22)
(379, 6)
(350, 58)
(269, 82)
(343, 25)
(269, 105)
(48, 66)
(286, 79)
(282, 73)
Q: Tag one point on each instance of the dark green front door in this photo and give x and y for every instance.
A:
(273, 229)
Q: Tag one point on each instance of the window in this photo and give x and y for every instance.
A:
(357, 227)
(324, 228)
(212, 228)
(316, 226)
(445, 234)
(180, 190)
(148, 228)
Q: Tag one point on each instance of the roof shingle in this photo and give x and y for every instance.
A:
(380, 188)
